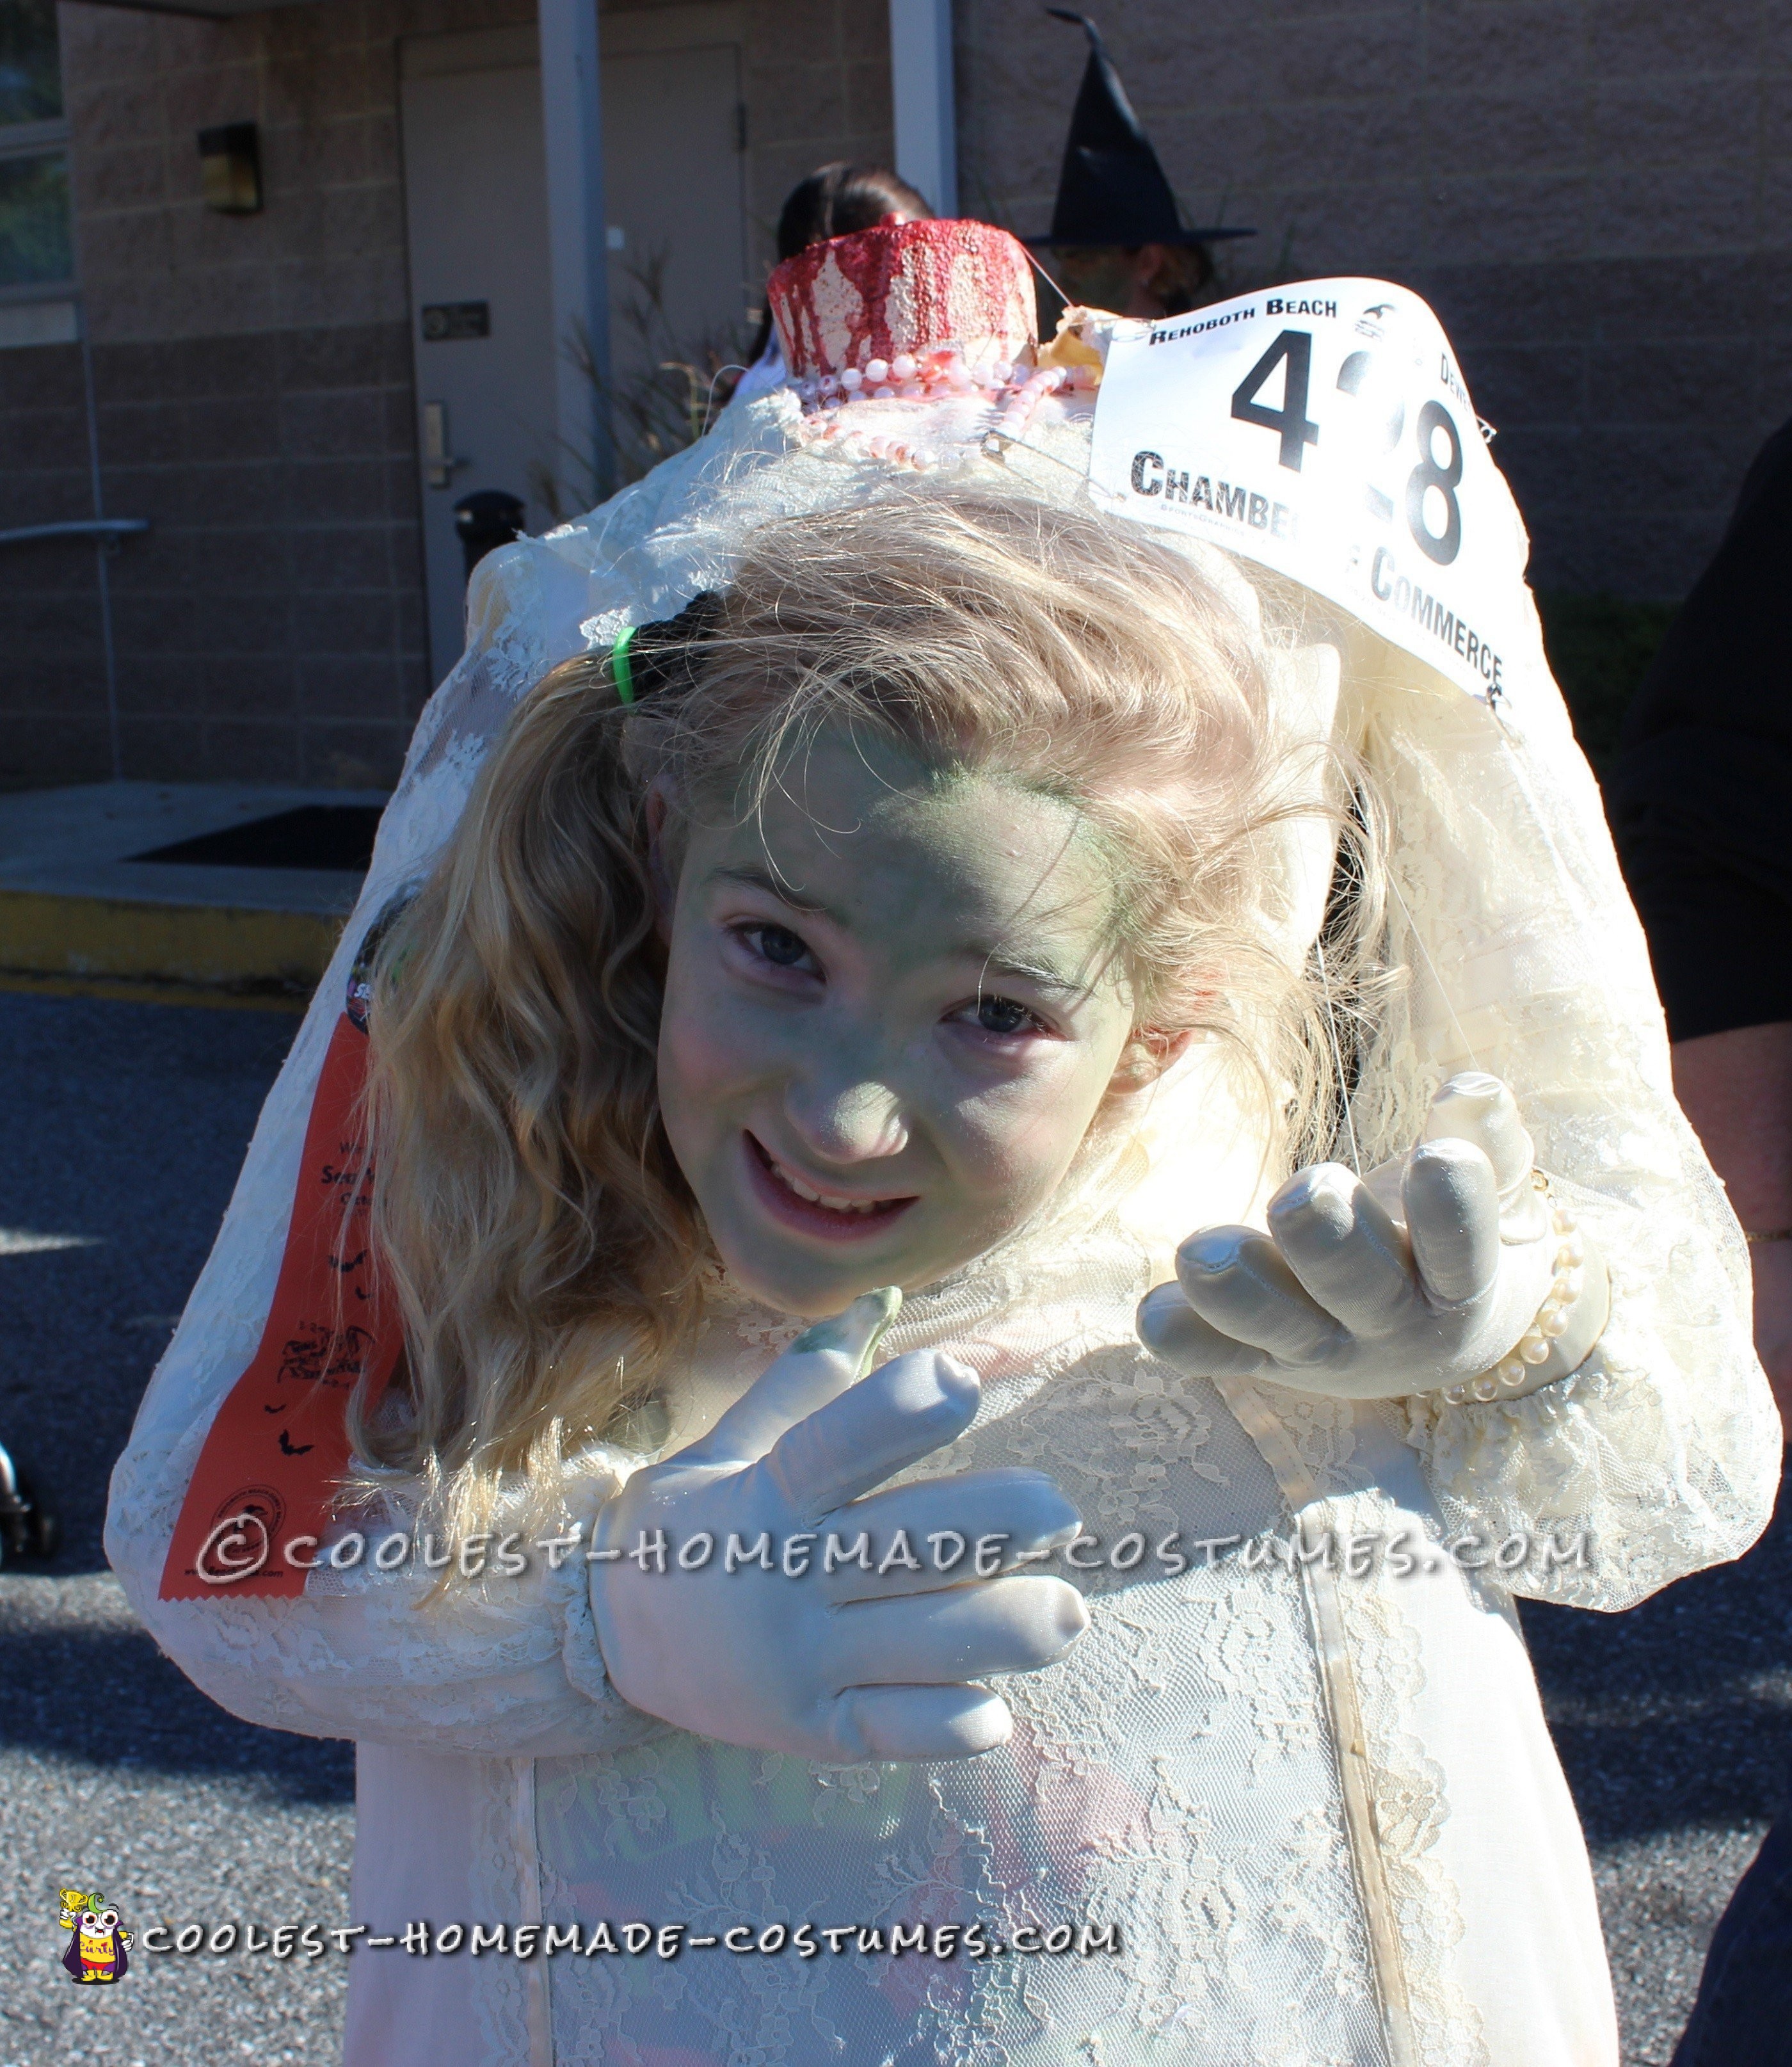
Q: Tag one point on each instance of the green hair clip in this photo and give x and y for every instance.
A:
(622, 669)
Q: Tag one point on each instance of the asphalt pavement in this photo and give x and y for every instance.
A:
(125, 1126)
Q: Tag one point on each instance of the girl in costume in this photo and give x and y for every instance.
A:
(915, 924)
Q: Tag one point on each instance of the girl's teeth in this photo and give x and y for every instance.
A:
(819, 1199)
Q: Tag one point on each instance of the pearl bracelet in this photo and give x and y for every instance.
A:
(1535, 1346)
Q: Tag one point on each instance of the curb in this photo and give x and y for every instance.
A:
(196, 946)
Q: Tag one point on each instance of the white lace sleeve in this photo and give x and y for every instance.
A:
(1660, 1454)
(1664, 1449)
(508, 1664)
(501, 1665)
(504, 1666)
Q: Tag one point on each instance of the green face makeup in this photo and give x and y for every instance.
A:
(892, 1009)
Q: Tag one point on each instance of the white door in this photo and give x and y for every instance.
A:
(674, 200)
(476, 193)
(482, 327)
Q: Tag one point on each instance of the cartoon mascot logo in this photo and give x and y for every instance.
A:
(96, 1938)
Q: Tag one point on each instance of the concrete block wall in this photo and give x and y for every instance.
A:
(817, 84)
(254, 383)
(53, 712)
(1593, 193)
(270, 628)
(252, 378)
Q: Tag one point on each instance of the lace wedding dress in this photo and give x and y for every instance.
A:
(1307, 1803)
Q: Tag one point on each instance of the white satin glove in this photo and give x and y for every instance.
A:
(850, 1663)
(1426, 1275)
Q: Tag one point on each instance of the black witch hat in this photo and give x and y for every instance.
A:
(1112, 189)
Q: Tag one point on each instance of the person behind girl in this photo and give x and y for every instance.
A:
(896, 954)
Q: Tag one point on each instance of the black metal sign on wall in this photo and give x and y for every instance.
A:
(444, 322)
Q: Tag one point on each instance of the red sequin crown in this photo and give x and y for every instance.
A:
(911, 289)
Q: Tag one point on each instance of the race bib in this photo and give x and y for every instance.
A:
(1324, 431)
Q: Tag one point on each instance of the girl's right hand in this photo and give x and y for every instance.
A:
(850, 1663)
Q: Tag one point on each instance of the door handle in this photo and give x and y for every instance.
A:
(439, 462)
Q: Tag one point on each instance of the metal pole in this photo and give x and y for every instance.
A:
(104, 546)
(107, 529)
(921, 91)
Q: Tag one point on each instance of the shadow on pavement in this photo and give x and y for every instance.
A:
(1679, 1712)
(109, 1697)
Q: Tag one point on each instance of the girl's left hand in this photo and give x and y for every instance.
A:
(1426, 1275)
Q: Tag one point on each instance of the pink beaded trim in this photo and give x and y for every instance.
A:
(936, 375)
(1014, 400)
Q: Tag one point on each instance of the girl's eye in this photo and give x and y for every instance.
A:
(778, 945)
(1002, 1015)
